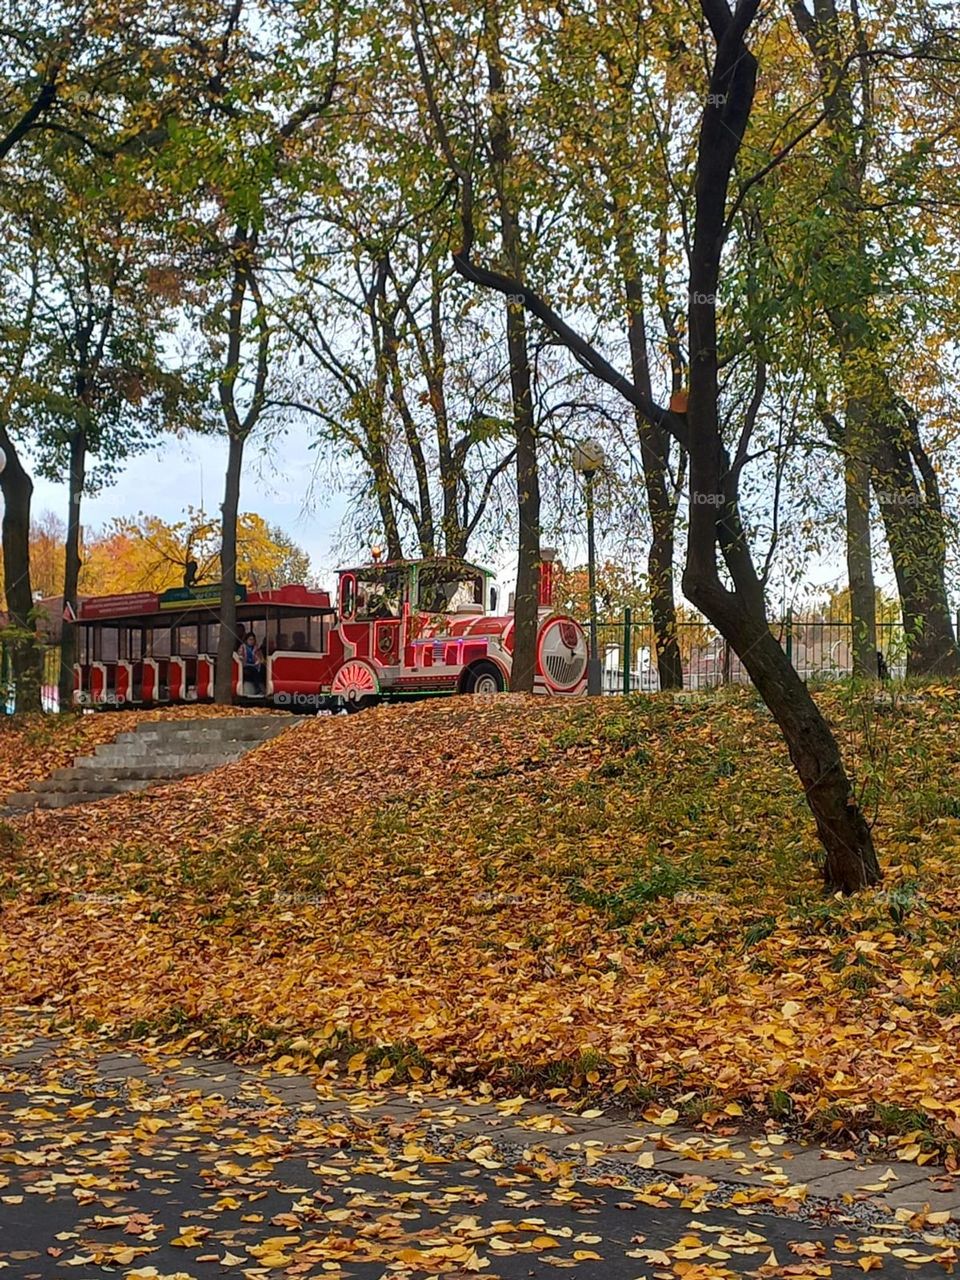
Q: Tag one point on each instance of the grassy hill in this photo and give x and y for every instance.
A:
(610, 898)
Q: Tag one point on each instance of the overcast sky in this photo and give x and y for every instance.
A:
(189, 472)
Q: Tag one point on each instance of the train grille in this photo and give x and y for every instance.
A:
(564, 671)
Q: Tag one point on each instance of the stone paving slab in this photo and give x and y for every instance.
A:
(687, 1156)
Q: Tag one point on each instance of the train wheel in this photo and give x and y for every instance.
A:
(484, 679)
(356, 685)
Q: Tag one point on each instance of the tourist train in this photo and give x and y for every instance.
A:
(397, 629)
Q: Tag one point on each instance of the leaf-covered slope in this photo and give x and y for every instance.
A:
(602, 895)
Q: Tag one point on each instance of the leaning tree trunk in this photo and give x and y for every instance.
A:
(71, 570)
(850, 861)
(17, 489)
(229, 639)
(715, 523)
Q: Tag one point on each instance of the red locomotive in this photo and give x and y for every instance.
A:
(405, 628)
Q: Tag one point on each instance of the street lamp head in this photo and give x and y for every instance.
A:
(588, 457)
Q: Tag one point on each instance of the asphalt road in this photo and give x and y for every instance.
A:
(186, 1185)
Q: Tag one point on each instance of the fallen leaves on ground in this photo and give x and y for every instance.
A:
(341, 1182)
(613, 898)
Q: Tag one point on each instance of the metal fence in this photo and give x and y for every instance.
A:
(49, 696)
(820, 649)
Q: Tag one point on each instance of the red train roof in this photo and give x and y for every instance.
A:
(143, 604)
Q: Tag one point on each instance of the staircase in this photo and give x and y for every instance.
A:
(155, 752)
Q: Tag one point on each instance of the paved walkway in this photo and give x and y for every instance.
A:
(189, 1168)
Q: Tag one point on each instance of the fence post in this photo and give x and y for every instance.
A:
(790, 636)
(627, 647)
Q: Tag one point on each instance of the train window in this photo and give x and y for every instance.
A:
(441, 590)
(277, 634)
(211, 639)
(317, 633)
(187, 642)
(380, 595)
(348, 595)
(159, 645)
(108, 648)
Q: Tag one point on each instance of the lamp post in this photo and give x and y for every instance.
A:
(588, 458)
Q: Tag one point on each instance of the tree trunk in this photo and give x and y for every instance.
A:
(850, 861)
(526, 599)
(71, 570)
(654, 451)
(528, 476)
(17, 489)
(913, 519)
(863, 598)
(715, 522)
(660, 584)
(229, 638)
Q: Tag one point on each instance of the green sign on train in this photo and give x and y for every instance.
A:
(208, 594)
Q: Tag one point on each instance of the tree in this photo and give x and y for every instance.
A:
(411, 394)
(605, 94)
(145, 553)
(731, 597)
(98, 80)
(234, 161)
(617, 589)
(853, 236)
(16, 486)
(506, 173)
(100, 387)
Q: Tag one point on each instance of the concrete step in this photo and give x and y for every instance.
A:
(166, 750)
(166, 766)
(70, 799)
(106, 772)
(234, 726)
(105, 780)
(21, 800)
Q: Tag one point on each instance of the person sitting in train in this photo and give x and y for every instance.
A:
(300, 642)
(279, 643)
(254, 667)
